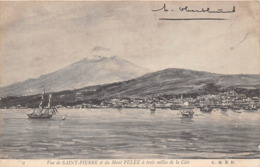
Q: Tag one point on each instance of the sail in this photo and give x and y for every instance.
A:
(44, 101)
(40, 105)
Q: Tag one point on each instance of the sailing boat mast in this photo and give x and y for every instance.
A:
(41, 103)
(49, 104)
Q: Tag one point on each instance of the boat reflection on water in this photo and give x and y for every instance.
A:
(224, 112)
(238, 111)
(119, 110)
(38, 122)
(152, 112)
(250, 111)
(186, 120)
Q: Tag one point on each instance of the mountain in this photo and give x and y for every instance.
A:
(174, 81)
(77, 75)
(166, 82)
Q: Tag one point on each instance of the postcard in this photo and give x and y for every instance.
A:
(130, 83)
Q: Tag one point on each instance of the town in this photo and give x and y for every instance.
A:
(223, 100)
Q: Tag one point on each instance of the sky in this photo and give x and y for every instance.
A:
(38, 38)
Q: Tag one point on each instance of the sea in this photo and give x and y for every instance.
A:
(130, 134)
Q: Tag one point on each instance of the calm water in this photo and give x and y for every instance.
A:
(130, 133)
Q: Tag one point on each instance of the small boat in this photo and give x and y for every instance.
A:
(250, 108)
(187, 111)
(43, 112)
(153, 107)
(64, 117)
(206, 109)
(176, 107)
(236, 107)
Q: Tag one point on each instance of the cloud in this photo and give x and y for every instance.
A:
(98, 48)
(100, 52)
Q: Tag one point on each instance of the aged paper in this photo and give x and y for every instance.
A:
(130, 83)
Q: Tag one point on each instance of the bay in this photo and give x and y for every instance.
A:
(130, 134)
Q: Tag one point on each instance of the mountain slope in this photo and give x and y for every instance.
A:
(166, 82)
(176, 81)
(78, 75)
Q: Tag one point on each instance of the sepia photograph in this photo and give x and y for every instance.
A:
(129, 80)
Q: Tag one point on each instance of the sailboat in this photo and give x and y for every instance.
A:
(44, 111)
(187, 110)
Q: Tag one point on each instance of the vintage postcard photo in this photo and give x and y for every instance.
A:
(129, 80)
